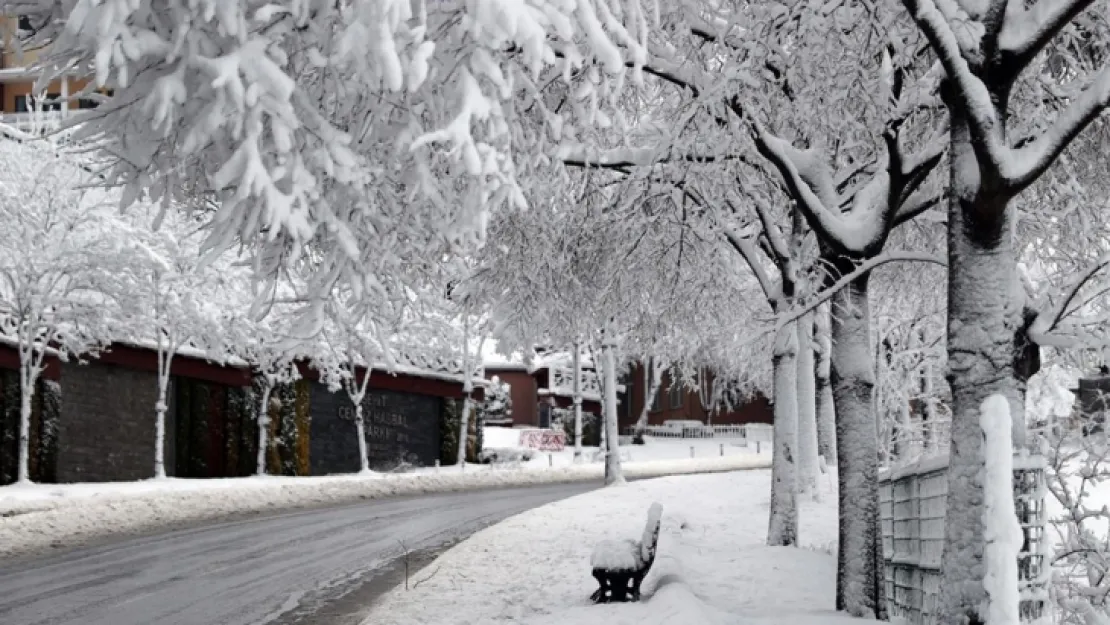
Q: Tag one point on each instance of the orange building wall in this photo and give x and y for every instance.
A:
(10, 59)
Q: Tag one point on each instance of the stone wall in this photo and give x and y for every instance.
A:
(106, 426)
(400, 428)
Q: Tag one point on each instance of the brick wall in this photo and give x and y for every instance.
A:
(106, 426)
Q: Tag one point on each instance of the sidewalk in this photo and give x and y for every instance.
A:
(712, 567)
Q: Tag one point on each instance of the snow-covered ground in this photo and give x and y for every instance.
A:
(36, 517)
(652, 449)
(712, 565)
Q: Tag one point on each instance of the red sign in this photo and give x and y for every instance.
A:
(543, 440)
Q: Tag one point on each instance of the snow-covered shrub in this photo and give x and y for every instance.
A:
(506, 455)
(497, 403)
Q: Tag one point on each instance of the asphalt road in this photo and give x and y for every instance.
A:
(319, 566)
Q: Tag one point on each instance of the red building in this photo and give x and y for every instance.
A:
(535, 390)
(679, 402)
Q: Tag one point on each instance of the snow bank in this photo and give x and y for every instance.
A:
(35, 518)
(712, 566)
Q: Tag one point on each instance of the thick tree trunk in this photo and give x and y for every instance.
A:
(808, 465)
(983, 315)
(613, 472)
(859, 583)
(783, 525)
(826, 411)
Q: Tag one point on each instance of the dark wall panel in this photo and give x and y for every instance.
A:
(400, 427)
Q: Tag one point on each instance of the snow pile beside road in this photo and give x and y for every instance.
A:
(35, 518)
(712, 566)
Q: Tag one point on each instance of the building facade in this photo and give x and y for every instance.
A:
(20, 106)
(676, 401)
(94, 421)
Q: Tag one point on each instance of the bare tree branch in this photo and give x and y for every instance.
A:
(860, 270)
(910, 211)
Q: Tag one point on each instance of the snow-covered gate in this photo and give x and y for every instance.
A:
(913, 500)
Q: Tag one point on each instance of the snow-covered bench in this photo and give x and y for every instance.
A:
(621, 565)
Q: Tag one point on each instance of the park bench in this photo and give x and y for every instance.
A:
(621, 565)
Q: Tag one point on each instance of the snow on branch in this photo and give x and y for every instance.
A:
(780, 251)
(1033, 159)
(862, 269)
(786, 158)
(747, 250)
(1025, 32)
(972, 99)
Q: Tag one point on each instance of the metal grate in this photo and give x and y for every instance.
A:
(912, 504)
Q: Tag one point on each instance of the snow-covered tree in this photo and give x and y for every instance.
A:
(355, 344)
(367, 132)
(269, 345)
(60, 273)
(497, 401)
(180, 304)
(991, 52)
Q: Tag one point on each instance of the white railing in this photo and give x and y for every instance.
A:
(748, 432)
(913, 501)
(35, 123)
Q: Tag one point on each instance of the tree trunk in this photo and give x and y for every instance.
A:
(26, 390)
(160, 423)
(360, 428)
(826, 411)
(264, 427)
(808, 465)
(578, 402)
(859, 583)
(983, 315)
(783, 525)
(613, 473)
(651, 387)
(464, 429)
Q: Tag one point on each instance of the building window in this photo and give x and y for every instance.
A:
(656, 398)
(676, 395)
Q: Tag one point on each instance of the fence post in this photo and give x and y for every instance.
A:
(722, 449)
(437, 465)
(550, 461)
(757, 447)
(691, 451)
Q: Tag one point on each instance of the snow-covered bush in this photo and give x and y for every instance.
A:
(496, 407)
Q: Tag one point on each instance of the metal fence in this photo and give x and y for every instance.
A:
(913, 501)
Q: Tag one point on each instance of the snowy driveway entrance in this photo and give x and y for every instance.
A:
(281, 569)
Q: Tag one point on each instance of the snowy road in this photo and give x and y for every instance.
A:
(315, 566)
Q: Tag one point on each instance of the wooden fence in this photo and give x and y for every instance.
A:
(913, 501)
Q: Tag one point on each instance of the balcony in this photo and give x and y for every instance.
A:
(562, 383)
